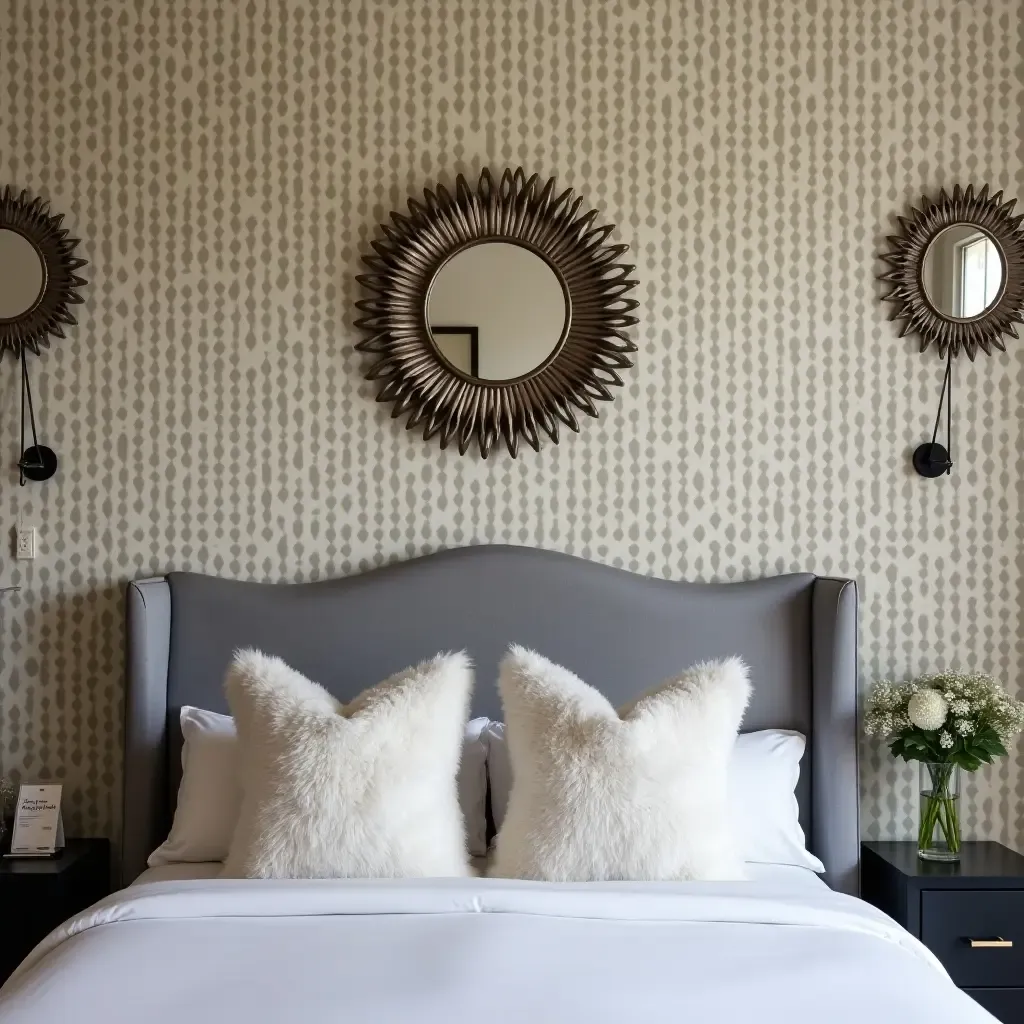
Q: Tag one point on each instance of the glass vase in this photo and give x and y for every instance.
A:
(938, 834)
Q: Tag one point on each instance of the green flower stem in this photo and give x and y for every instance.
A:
(940, 808)
(929, 817)
(950, 822)
(932, 820)
(927, 822)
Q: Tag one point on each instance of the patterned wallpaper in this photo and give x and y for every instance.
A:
(226, 162)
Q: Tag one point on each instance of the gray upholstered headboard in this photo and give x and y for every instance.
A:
(619, 631)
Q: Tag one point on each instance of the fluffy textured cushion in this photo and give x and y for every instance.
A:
(763, 773)
(210, 794)
(636, 794)
(364, 790)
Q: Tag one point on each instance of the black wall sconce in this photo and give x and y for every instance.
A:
(38, 283)
(957, 281)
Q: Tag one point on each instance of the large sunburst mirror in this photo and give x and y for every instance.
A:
(497, 313)
(957, 282)
(38, 285)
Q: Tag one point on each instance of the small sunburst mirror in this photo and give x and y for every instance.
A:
(38, 285)
(957, 283)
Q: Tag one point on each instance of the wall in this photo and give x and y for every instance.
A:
(226, 164)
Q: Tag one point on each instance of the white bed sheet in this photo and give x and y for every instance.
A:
(211, 869)
(779, 950)
(180, 872)
(787, 875)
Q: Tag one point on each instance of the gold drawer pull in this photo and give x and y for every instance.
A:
(991, 943)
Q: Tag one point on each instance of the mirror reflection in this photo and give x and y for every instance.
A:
(496, 311)
(963, 272)
(21, 274)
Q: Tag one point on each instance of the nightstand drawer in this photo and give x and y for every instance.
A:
(950, 919)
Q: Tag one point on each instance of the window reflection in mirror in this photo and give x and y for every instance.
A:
(963, 271)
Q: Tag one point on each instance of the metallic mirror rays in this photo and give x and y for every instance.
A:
(451, 404)
(913, 306)
(50, 313)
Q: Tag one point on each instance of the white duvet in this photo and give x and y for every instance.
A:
(488, 950)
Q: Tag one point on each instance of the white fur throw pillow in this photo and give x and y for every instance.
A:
(600, 794)
(363, 790)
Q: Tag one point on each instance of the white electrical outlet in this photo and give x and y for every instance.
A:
(25, 546)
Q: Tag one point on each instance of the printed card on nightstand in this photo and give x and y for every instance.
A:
(38, 826)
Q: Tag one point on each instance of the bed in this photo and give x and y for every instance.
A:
(182, 944)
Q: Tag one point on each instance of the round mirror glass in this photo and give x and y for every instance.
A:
(21, 274)
(962, 272)
(496, 311)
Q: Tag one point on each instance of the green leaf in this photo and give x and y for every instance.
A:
(986, 734)
(967, 761)
(991, 746)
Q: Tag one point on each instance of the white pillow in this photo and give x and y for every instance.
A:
(363, 790)
(636, 794)
(210, 794)
(763, 773)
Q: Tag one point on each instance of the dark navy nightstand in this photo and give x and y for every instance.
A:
(38, 894)
(970, 914)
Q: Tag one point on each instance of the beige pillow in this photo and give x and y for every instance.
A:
(600, 794)
(364, 790)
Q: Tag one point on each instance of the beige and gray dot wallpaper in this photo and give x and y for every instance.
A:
(225, 163)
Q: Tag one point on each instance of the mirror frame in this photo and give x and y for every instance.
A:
(410, 250)
(31, 219)
(951, 335)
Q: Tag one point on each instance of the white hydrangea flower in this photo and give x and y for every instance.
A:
(927, 710)
(964, 726)
(945, 740)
